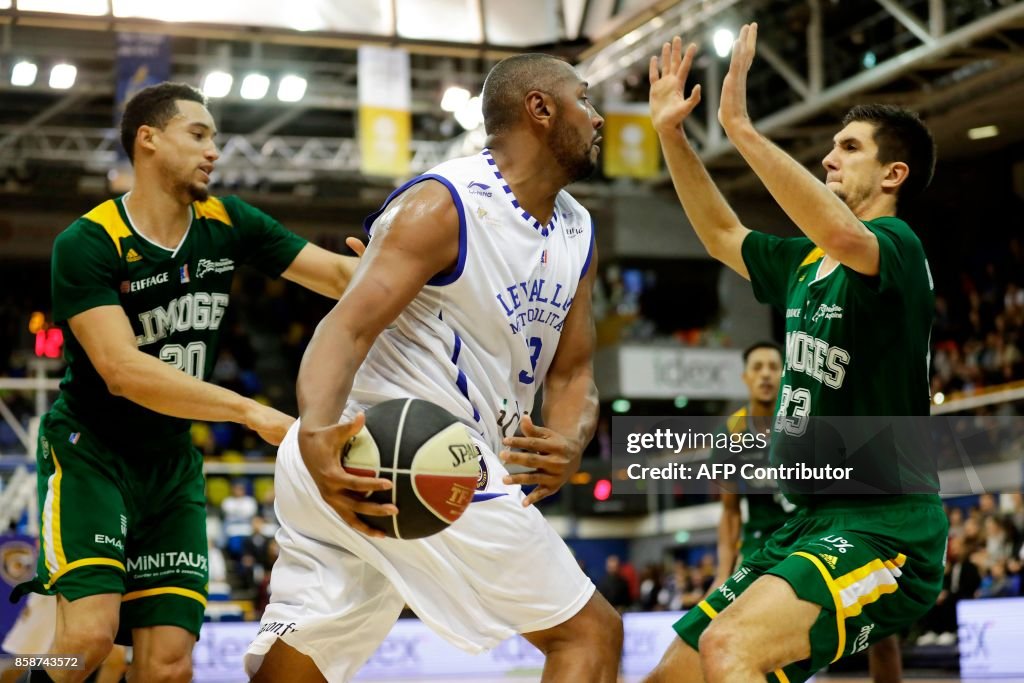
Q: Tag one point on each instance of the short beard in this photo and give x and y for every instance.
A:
(571, 152)
(199, 193)
(193, 191)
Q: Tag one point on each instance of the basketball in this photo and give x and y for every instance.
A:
(429, 457)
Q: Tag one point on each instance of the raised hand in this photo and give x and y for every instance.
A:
(553, 458)
(346, 493)
(732, 108)
(669, 106)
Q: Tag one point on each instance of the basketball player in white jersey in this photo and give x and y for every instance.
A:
(474, 292)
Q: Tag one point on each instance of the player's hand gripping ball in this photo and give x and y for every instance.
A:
(429, 457)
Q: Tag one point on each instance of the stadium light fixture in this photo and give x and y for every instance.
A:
(470, 115)
(291, 88)
(93, 8)
(982, 132)
(217, 84)
(254, 87)
(24, 74)
(723, 40)
(454, 98)
(62, 76)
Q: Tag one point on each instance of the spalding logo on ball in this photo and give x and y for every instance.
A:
(429, 457)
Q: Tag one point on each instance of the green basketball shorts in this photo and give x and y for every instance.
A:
(113, 521)
(874, 567)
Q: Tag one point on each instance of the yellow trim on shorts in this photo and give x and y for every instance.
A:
(212, 208)
(58, 544)
(707, 609)
(852, 577)
(781, 675)
(840, 612)
(864, 600)
(168, 590)
(86, 562)
(109, 218)
(816, 255)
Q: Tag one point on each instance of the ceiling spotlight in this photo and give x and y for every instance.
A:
(290, 89)
(254, 87)
(982, 132)
(24, 73)
(62, 76)
(217, 84)
(723, 40)
(454, 98)
(470, 115)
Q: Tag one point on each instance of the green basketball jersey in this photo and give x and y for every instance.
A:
(855, 345)
(767, 509)
(175, 300)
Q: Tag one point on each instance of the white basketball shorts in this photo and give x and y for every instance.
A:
(500, 569)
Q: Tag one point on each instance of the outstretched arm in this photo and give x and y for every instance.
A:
(710, 215)
(323, 271)
(107, 338)
(815, 209)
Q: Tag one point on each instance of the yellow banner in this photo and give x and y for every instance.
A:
(384, 136)
(630, 144)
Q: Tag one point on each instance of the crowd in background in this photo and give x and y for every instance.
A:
(978, 333)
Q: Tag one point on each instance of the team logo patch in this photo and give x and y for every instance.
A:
(183, 273)
(205, 266)
(574, 231)
(481, 478)
(132, 256)
(476, 187)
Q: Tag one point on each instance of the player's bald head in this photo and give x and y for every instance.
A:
(512, 78)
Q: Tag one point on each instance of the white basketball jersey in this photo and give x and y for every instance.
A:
(479, 341)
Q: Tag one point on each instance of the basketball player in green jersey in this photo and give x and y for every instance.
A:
(767, 510)
(141, 285)
(845, 572)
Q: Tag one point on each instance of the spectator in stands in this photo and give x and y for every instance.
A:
(960, 582)
(956, 522)
(255, 545)
(239, 508)
(999, 584)
(650, 585)
(1017, 515)
(613, 586)
(997, 540)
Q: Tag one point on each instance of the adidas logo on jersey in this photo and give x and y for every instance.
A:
(830, 560)
(132, 256)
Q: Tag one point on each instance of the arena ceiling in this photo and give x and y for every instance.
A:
(959, 62)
